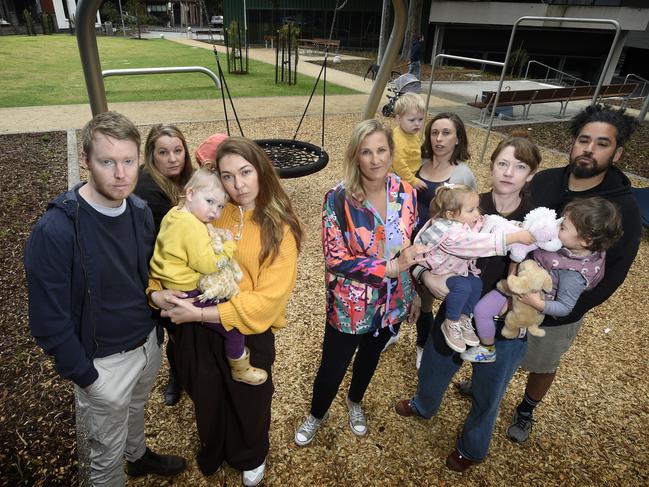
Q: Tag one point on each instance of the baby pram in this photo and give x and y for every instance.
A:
(406, 83)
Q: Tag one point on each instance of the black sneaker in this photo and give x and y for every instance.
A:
(172, 391)
(464, 387)
(156, 464)
(521, 427)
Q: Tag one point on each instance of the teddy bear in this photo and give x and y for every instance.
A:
(224, 283)
(541, 222)
(529, 278)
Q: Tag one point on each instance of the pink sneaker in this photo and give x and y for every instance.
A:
(468, 335)
(452, 331)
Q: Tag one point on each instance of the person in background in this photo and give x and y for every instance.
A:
(416, 53)
(445, 148)
(167, 168)
(206, 152)
(409, 115)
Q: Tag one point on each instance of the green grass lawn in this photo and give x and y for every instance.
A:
(46, 70)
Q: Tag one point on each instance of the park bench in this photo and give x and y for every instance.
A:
(309, 46)
(206, 32)
(326, 43)
(561, 95)
(306, 45)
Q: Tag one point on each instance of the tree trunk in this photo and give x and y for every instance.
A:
(413, 28)
(386, 29)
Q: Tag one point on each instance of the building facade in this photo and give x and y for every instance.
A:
(481, 29)
(357, 24)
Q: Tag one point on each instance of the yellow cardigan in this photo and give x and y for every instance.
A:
(407, 155)
(265, 288)
(183, 251)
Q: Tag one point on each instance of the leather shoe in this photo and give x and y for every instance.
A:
(458, 463)
(173, 390)
(404, 408)
(151, 462)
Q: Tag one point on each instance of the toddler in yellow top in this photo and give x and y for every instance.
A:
(185, 252)
(409, 111)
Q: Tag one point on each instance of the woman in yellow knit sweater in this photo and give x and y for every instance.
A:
(185, 258)
(233, 419)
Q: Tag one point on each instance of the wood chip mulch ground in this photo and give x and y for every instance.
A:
(591, 429)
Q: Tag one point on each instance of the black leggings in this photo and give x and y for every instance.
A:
(337, 351)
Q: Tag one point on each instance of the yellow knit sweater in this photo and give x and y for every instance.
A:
(407, 155)
(265, 288)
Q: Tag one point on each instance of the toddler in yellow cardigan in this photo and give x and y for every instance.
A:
(184, 253)
(409, 113)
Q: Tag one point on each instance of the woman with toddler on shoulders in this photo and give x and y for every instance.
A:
(444, 152)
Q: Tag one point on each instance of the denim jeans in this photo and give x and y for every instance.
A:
(489, 383)
(463, 294)
(415, 68)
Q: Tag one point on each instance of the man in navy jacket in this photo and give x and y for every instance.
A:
(87, 270)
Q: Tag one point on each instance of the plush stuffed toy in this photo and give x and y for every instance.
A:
(530, 278)
(224, 283)
(541, 222)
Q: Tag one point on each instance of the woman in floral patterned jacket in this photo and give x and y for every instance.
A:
(367, 225)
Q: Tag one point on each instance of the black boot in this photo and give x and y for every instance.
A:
(173, 390)
(151, 462)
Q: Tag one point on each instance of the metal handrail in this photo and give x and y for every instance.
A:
(562, 20)
(175, 69)
(645, 82)
(457, 58)
(547, 71)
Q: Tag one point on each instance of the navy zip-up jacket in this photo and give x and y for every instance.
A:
(62, 281)
(550, 188)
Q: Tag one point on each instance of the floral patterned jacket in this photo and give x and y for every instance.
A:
(357, 244)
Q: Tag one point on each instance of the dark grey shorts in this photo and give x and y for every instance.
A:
(544, 353)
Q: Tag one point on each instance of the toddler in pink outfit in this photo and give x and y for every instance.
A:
(453, 234)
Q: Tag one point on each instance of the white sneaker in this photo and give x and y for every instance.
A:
(254, 476)
(420, 353)
(357, 420)
(479, 354)
(393, 339)
(307, 430)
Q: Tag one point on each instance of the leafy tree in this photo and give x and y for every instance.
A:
(518, 59)
(413, 27)
(29, 22)
(109, 12)
(137, 15)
